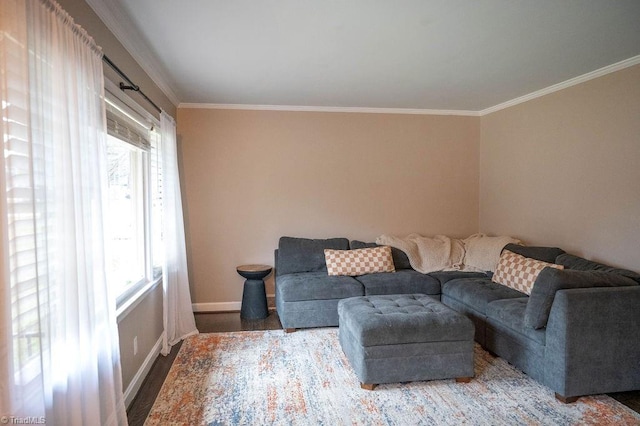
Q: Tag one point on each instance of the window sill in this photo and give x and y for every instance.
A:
(129, 305)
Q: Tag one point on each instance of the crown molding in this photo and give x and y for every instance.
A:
(125, 31)
(635, 60)
(127, 34)
(296, 108)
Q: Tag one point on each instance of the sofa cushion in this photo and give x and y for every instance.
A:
(400, 259)
(545, 254)
(551, 280)
(506, 336)
(476, 293)
(359, 261)
(404, 281)
(519, 272)
(444, 276)
(316, 286)
(581, 264)
(305, 255)
(509, 313)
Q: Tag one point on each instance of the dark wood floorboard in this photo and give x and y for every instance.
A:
(230, 321)
(630, 399)
(146, 396)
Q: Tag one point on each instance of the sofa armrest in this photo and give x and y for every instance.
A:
(593, 341)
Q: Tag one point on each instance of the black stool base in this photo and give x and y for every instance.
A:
(254, 300)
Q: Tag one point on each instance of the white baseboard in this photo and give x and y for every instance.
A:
(137, 380)
(216, 307)
(220, 306)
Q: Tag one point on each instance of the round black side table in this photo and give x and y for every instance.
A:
(254, 297)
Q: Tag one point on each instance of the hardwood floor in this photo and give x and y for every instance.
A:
(146, 396)
(230, 321)
(630, 399)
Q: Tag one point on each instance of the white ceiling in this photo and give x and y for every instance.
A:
(425, 54)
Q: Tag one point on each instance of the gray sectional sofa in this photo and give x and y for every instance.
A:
(577, 333)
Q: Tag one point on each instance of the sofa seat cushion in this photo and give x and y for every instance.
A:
(316, 286)
(476, 293)
(402, 319)
(510, 314)
(506, 337)
(404, 281)
(308, 313)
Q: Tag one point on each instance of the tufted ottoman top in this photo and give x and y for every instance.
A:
(402, 318)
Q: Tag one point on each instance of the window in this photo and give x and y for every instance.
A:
(134, 198)
(126, 216)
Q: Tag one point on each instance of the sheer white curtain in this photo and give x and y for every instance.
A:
(178, 312)
(59, 355)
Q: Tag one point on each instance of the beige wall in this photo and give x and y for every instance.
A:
(145, 323)
(564, 170)
(253, 176)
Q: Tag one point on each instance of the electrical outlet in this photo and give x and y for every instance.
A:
(135, 346)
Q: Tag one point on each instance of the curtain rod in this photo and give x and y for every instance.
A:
(132, 85)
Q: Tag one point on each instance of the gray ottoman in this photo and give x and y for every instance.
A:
(405, 338)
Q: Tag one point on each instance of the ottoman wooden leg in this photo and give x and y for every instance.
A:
(463, 379)
(566, 399)
(368, 386)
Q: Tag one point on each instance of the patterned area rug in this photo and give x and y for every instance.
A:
(303, 378)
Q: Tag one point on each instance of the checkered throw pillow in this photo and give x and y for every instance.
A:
(359, 261)
(519, 272)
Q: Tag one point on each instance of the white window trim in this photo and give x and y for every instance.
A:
(130, 303)
(130, 298)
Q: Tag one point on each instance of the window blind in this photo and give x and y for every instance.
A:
(25, 220)
(122, 125)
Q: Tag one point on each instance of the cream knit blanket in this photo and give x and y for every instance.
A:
(482, 253)
(476, 253)
(428, 254)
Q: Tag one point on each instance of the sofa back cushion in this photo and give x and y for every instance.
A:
(400, 259)
(545, 254)
(551, 280)
(304, 254)
(519, 272)
(581, 264)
